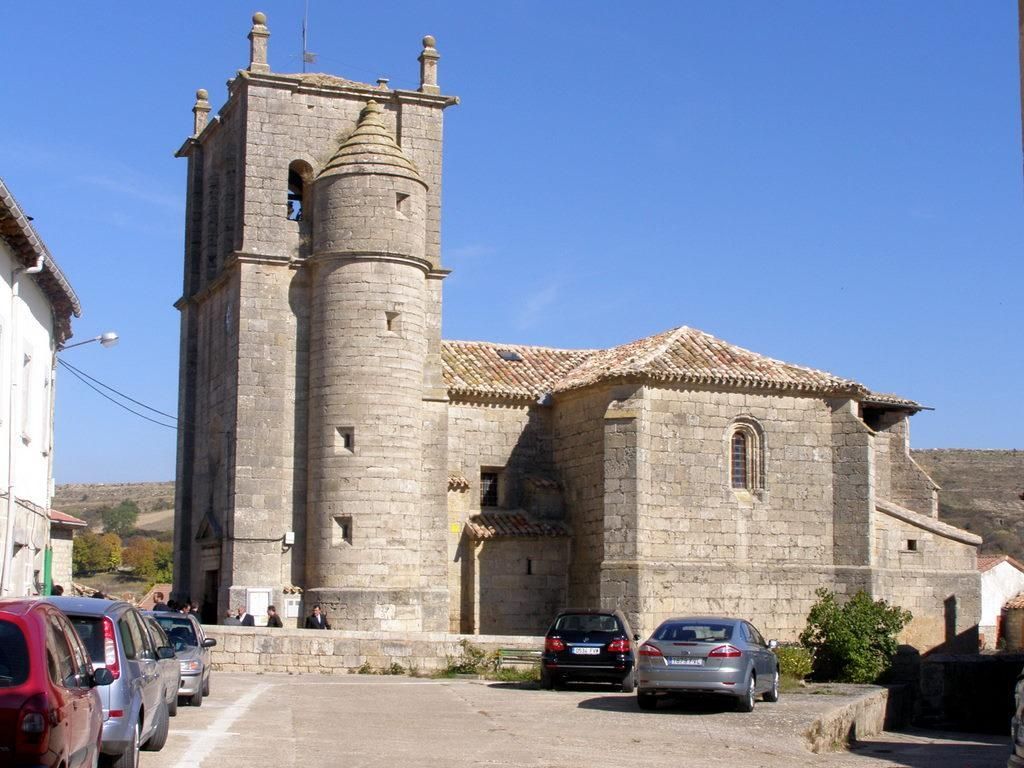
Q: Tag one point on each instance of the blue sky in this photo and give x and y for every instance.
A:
(833, 184)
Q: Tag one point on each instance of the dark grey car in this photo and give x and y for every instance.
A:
(134, 705)
(707, 654)
(192, 648)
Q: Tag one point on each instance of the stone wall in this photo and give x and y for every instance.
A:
(335, 652)
(62, 542)
(511, 438)
(521, 584)
(707, 547)
(578, 429)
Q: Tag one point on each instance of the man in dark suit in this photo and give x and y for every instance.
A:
(317, 620)
(245, 618)
(158, 602)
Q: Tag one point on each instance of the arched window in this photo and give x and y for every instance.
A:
(745, 447)
(738, 461)
(299, 176)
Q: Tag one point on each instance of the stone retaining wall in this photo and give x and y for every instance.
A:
(337, 652)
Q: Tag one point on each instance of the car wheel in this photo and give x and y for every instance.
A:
(156, 742)
(629, 682)
(745, 703)
(172, 706)
(206, 686)
(129, 758)
(646, 700)
(772, 694)
(196, 700)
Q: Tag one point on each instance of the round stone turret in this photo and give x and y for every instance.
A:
(368, 351)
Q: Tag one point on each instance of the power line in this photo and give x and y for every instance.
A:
(83, 378)
(72, 368)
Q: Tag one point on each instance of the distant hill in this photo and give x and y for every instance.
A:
(981, 492)
(87, 500)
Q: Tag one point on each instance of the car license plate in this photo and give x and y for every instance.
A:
(584, 651)
(678, 662)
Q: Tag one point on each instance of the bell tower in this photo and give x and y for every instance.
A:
(313, 455)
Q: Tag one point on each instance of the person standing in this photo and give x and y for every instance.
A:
(231, 620)
(245, 618)
(158, 602)
(273, 620)
(317, 620)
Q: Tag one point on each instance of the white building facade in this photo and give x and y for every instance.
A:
(36, 306)
(1002, 579)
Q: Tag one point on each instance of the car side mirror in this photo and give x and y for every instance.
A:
(773, 644)
(209, 642)
(102, 676)
(165, 652)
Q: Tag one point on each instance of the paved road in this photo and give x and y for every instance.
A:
(312, 721)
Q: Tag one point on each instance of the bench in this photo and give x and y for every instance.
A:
(511, 656)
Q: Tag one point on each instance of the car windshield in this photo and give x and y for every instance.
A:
(586, 622)
(180, 632)
(90, 629)
(695, 631)
(13, 655)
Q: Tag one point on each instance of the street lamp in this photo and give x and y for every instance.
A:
(107, 340)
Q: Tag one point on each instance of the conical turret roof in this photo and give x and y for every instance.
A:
(371, 148)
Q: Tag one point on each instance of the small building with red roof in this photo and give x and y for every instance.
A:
(1002, 580)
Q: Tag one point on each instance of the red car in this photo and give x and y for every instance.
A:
(50, 712)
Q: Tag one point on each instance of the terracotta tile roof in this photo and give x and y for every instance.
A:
(18, 232)
(688, 355)
(1015, 602)
(476, 368)
(685, 355)
(512, 523)
(927, 523)
(62, 518)
(457, 482)
(895, 401)
(988, 562)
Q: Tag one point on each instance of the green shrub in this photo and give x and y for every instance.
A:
(853, 642)
(473, 661)
(795, 661)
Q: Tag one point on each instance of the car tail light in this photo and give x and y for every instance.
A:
(554, 644)
(110, 648)
(33, 736)
(725, 652)
(619, 646)
(650, 650)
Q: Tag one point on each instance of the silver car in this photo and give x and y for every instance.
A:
(707, 654)
(134, 705)
(192, 648)
(170, 669)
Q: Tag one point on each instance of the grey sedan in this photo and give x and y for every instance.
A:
(703, 654)
(192, 647)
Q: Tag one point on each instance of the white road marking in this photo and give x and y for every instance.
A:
(205, 742)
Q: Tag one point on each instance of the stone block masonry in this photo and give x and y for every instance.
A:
(337, 652)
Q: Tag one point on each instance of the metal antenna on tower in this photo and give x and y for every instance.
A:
(308, 57)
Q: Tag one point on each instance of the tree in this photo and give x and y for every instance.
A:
(120, 519)
(853, 642)
(149, 558)
(95, 552)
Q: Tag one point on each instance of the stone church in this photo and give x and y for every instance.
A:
(336, 450)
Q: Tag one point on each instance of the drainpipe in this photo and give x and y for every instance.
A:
(8, 563)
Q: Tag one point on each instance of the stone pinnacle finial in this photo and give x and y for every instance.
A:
(200, 112)
(428, 66)
(258, 36)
